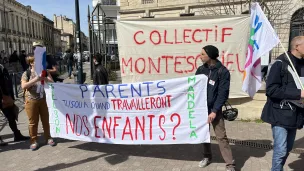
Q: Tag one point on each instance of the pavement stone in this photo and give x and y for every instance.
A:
(77, 155)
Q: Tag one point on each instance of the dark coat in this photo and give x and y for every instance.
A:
(100, 76)
(280, 86)
(218, 86)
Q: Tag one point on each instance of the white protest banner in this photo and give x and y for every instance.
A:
(156, 112)
(163, 48)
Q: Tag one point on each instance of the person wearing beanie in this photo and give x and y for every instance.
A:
(217, 95)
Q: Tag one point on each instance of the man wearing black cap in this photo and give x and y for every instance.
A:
(217, 94)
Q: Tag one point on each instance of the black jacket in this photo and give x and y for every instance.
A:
(218, 86)
(281, 86)
(100, 76)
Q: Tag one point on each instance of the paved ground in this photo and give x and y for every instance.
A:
(252, 152)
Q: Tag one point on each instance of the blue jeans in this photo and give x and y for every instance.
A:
(283, 142)
(70, 68)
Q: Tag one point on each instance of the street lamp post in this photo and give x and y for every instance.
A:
(78, 44)
(90, 42)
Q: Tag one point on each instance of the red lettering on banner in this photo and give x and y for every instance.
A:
(134, 37)
(166, 64)
(78, 123)
(178, 63)
(229, 62)
(144, 65)
(71, 123)
(84, 122)
(193, 36)
(238, 63)
(165, 35)
(186, 35)
(190, 63)
(96, 126)
(166, 57)
(129, 127)
(115, 125)
(225, 34)
(152, 63)
(141, 126)
(158, 35)
(108, 127)
(113, 102)
(134, 127)
(207, 33)
(126, 64)
(152, 99)
(175, 37)
(77, 116)
(160, 123)
(150, 128)
(119, 103)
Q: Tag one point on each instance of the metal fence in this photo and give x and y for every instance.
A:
(16, 78)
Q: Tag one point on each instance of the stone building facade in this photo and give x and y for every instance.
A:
(57, 40)
(68, 31)
(48, 35)
(20, 26)
(67, 28)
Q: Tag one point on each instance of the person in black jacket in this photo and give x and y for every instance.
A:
(10, 112)
(22, 58)
(69, 58)
(100, 76)
(282, 89)
(217, 94)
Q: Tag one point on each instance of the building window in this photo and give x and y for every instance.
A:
(17, 21)
(12, 22)
(33, 29)
(147, 1)
(1, 19)
(24, 26)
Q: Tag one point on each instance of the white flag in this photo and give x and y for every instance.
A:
(262, 39)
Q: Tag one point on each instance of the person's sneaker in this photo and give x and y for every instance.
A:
(34, 146)
(205, 162)
(51, 142)
(230, 169)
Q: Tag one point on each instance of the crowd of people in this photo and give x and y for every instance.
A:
(35, 104)
(283, 109)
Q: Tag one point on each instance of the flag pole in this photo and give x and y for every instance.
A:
(292, 65)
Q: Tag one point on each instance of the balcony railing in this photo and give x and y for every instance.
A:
(108, 2)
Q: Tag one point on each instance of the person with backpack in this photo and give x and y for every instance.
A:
(13, 60)
(35, 104)
(69, 57)
(217, 95)
(284, 109)
(8, 107)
